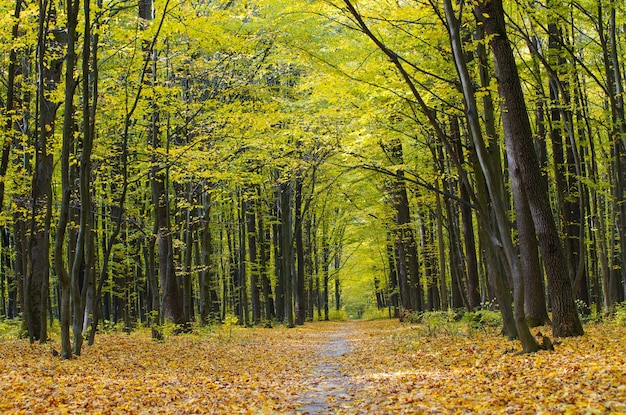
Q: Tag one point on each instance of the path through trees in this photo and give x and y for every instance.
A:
(197, 162)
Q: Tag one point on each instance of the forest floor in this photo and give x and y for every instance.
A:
(356, 367)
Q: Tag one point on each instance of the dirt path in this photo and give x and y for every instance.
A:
(329, 387)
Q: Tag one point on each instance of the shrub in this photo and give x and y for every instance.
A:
(11, 329)
(482, 319)
(620, 314)
(376, 314)
(337, 315)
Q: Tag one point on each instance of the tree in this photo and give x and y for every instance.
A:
(518, 138)
(49, 63)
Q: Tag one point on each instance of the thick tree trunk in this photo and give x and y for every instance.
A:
(171, 300)
(518, 138)
(37, 278)
(407, 261)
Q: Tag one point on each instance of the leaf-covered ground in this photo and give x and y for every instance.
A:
(381, 367)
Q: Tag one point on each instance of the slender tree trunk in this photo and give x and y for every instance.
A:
(242, 289)
(255, 292)
(286, 242)
(325, 269)
(10, 103)
(300, 298)
(309, 269)
(337, 267)
(15, 281)
(615, 90)
(473, 285)
(500, 234)
(278, 254)
(205, 288)
(394, 301)
(264, 252)
(441, 250)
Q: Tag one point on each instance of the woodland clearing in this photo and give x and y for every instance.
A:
(354, 367)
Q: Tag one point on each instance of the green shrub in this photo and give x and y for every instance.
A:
(11, 329)
(376, 314)
(620, 314)
(435, 322)
(482, 319)
(337, 315)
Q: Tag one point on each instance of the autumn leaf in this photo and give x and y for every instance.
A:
(377, 367)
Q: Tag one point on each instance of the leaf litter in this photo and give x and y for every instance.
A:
(373, 367)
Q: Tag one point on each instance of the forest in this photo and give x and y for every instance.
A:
(191, 163)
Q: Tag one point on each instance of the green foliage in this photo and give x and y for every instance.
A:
(455, 322)
(11, 328)
(483, 319)
(620, 314)
(373, 313)
(585, 312)
(338, 315)
(228, 324)
(433, 322)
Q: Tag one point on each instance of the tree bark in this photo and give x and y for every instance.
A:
(300, 298)
(492, 203)
(37, 277)
(518, 139)
(255, 292)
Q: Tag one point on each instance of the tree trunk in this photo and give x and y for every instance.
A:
(300, 298)
(393, 289)
(325, 268)
(407, 262)
(37, 277)
(471, 261)
(441, 249)
(286, 243)
(518, 138)
(242, 288)
(255, 292)
(499, 235)
(264, 253)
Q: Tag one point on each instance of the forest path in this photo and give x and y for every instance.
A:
(329, 388)
(375, 367)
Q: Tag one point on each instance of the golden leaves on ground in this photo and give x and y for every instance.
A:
(388, 367)
(396, 369)
(254, 371)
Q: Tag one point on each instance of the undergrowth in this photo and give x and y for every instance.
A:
(455, 322)
(10, 328)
